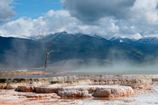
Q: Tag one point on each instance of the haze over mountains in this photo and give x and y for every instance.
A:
(83, 49)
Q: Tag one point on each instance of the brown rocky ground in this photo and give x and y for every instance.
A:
(11, 97)
(19, 73)
(48, 91)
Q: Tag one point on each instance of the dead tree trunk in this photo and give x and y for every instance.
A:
(47, 49)
(46, 62)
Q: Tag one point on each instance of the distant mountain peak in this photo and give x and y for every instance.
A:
(64, 32)
(121, 41)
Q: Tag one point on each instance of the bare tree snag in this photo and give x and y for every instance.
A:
(47, 48)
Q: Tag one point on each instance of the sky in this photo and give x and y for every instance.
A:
(106, 18)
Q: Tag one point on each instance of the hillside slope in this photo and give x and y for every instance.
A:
(29, 53)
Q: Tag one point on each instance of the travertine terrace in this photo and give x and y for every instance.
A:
(85, 86)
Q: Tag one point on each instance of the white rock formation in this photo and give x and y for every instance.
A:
(54, 95)
(113, 91)
(73, 92)
(102, 92)
(38, 95)
(11, 86)
(96, 90)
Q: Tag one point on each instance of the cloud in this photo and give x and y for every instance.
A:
(61, 20)
(53, 21)
(6, 12)
(130, 36)
(133, 11)
(92, 10)
(144, 11)
(141, 21)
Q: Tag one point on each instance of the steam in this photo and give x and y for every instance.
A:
(23, 55)
(115, 67)
(119, 69)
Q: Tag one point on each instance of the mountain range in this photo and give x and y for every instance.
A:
(18, 52)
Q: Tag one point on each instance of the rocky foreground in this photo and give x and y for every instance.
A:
(106, 89)
(26, 73)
